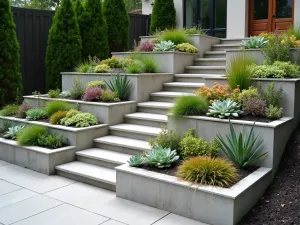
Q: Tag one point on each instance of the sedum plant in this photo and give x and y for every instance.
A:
(136, 160)
(53, 93)
(254, 42)
(165, 46)
(273, 112)
(109, 96)
(266, 71)
(186, 47)
(224, 109)
(112, 62)
(57, 117)
(36, 114)
(96, 84)
(121, 85)
(103, 68)
(161, 157)
(13, 132)
(290, 69)
(79, 119)
(243, 150)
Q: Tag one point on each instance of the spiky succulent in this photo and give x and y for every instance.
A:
(224, 109)
(13, 132)
(254, 42)
(136, 161)
(161, 157)
(164, 46)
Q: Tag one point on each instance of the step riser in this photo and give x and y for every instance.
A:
(189, 79)
(224, 48)
(210, 63)
(86, 180)
(153, 110)
(163, 99)
(115, 148)
(143, 137)
(215, 56)
(205, 71)
(231, 42)
(180, 89)
(97, 162)
(145, 122)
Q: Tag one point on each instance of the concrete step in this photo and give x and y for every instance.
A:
(233, 40)
(155, 107)
(122, 144)
(88, 173)
(205, 69)
(182, 86)
(198, 78)
(134, 131)
(215, 54)
(102, 157)
(167, 96)
(147, 119)
(210, 62)
(224, 47)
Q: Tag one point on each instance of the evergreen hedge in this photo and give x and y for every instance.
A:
(10, 76)
(118, 25)
(94, 30)
(163, 15)
(64, 44)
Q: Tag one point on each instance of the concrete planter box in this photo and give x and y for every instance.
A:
(274, 134)
(202, 42)
(208, 204)
(142, 84)
(107, 113)
(39, 159)
(81, 138)
(167, 62)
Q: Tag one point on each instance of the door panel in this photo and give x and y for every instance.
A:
(283, 12)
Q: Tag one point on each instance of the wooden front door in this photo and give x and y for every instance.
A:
(270, 15)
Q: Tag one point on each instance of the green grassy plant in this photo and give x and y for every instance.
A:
(176, 36)
(29, 135)
(77, 90)
(52, 141)
(190, 106)
(121, 85)
(9, 110)
(55, 106)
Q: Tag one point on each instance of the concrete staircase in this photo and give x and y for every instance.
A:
(96, 165)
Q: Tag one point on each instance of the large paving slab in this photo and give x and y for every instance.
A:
(24, 209)
(64, 215)
(112, 222)
(15, 197)
(2, 163)
(173, 219)
(6, 187)
(32, 180)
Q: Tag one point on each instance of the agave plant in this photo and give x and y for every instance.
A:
(13, 132)
(136, 160)
(254, 42)
(224, 109)
(161, 157)
(242, 149)
(121, 85)
(164, 46)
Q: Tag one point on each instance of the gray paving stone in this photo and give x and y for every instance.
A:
(112, 222)
(6, 187)
(173, 219)
(24, 209)
(3, 163)
(64, 215)
(32, 180)
(16, 196)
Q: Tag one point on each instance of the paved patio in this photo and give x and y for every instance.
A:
(30, 198)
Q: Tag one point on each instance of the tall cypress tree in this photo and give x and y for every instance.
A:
(10, 76)
(64, 44)
(79, 12)
(163, 15)
(118, 25)
(94, 30)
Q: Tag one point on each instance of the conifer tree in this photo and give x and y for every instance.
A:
(79, 12)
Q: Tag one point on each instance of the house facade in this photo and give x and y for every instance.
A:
(234, 18)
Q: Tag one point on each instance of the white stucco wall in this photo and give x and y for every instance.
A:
(297, 12)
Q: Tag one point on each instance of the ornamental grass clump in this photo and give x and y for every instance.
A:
(36, 114)
(55, 106)
(92, 94)
(136, 66)
(190, 106)
(77, 90)
(176, 36)
(121, 85)
(29, 135)
(9, 110)
(84, 67)
(208, 171)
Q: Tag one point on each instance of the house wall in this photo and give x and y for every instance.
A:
(297, 12)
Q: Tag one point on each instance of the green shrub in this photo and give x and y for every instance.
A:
(136, 66)
(64, 44)
(255, 106)
(84, 67)
(273, 112)
(136, 161)
(186, 47)
(23, 109)
(57, 117)
(125, 62)
(94, 30)
(194, 30)
(54, 93)
(9, 110)
(112, 62)
(191, 146)
(77, 90)
(266, 71)
(69, 114)
(252, 92)
(294, 30)
(10, 76)
(176, 36)
(239, 73)
(166, 139)
(29, 135)
(121, 85)
(163, 15)
(108, 96)
(50, 141)
(150, 65)
(208, 171)
(242, 149)
(13, 132)
(224, 109)
(80, 119)
(103, 68)
(55, 106)
(190, 106)
(161, 157)
(272, 96)
(290, 69)
(96, 84)
(118, 25)
(36, 114)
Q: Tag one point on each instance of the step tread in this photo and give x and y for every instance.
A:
(184, 84)
(157, 105)
(226, 45)
(148, 116)
(105, 155)
(170, 94)
(234, 39)
(124, 142)
(211, 59)
(133, 128)
(206, 67)
(90, 171)
(200, 75)
(215, 52)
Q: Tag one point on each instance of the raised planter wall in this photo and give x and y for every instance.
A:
(81, 138)
(212, 205)
(167, 62)
(39, 159)
(106, 113)
(202, 42)
(274, 134)
(142, 84)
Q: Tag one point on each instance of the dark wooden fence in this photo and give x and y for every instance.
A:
(32, 27)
